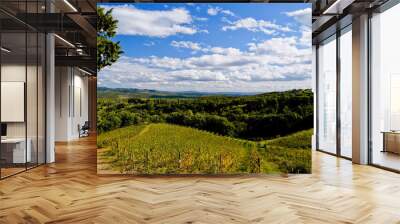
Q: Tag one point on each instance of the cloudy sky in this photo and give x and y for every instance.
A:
(234, 47)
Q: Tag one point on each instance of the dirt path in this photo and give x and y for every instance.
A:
(144, 130)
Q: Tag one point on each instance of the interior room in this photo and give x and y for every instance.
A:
(48, 154)
(22, 108)
(46, 81)
(339, 53)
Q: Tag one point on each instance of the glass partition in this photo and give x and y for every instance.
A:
(14, 153)
(327, 95)
(22, 77)
(385, 89)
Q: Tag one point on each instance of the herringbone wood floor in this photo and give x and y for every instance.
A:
(69, 191)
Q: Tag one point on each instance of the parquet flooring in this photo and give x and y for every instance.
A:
(70, 191)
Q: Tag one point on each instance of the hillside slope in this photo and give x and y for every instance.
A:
(173, 149)
(104, 92)
(301, 139)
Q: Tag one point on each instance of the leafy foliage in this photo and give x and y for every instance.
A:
(108, 51)
(167, 149)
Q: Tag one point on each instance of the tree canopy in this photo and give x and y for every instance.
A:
(253, 117)
(108, 51)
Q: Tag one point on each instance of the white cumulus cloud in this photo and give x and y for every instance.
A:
(213, 11)
(306, 36)
(302, 16)
(186, 44)
(153, 23)
(272, 65)
(278, 63)
(254, 25)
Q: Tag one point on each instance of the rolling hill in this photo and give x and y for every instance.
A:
(105, 92)
(172, 149)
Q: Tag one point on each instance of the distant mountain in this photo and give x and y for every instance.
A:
(105, 92)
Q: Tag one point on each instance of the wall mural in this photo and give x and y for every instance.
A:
(205, 89)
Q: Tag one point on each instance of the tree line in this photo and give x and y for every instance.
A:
(256, 117)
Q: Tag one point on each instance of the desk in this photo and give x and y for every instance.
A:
(391, 141)
(13, 150)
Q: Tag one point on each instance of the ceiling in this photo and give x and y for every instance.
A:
(74, 22)
(330, 15)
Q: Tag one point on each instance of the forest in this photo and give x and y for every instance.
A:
(251, 117)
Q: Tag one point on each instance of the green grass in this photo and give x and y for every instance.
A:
(299, 140)
(291, 153)
(117, 135)
(172, 149)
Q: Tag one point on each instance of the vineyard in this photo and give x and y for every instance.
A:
(172, 149)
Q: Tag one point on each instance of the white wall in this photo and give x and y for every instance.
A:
(71, 102)
(14, 72)
(80, 102)
(62, 82)
(33, 126)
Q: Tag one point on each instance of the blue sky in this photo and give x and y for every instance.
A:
(235, 47)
